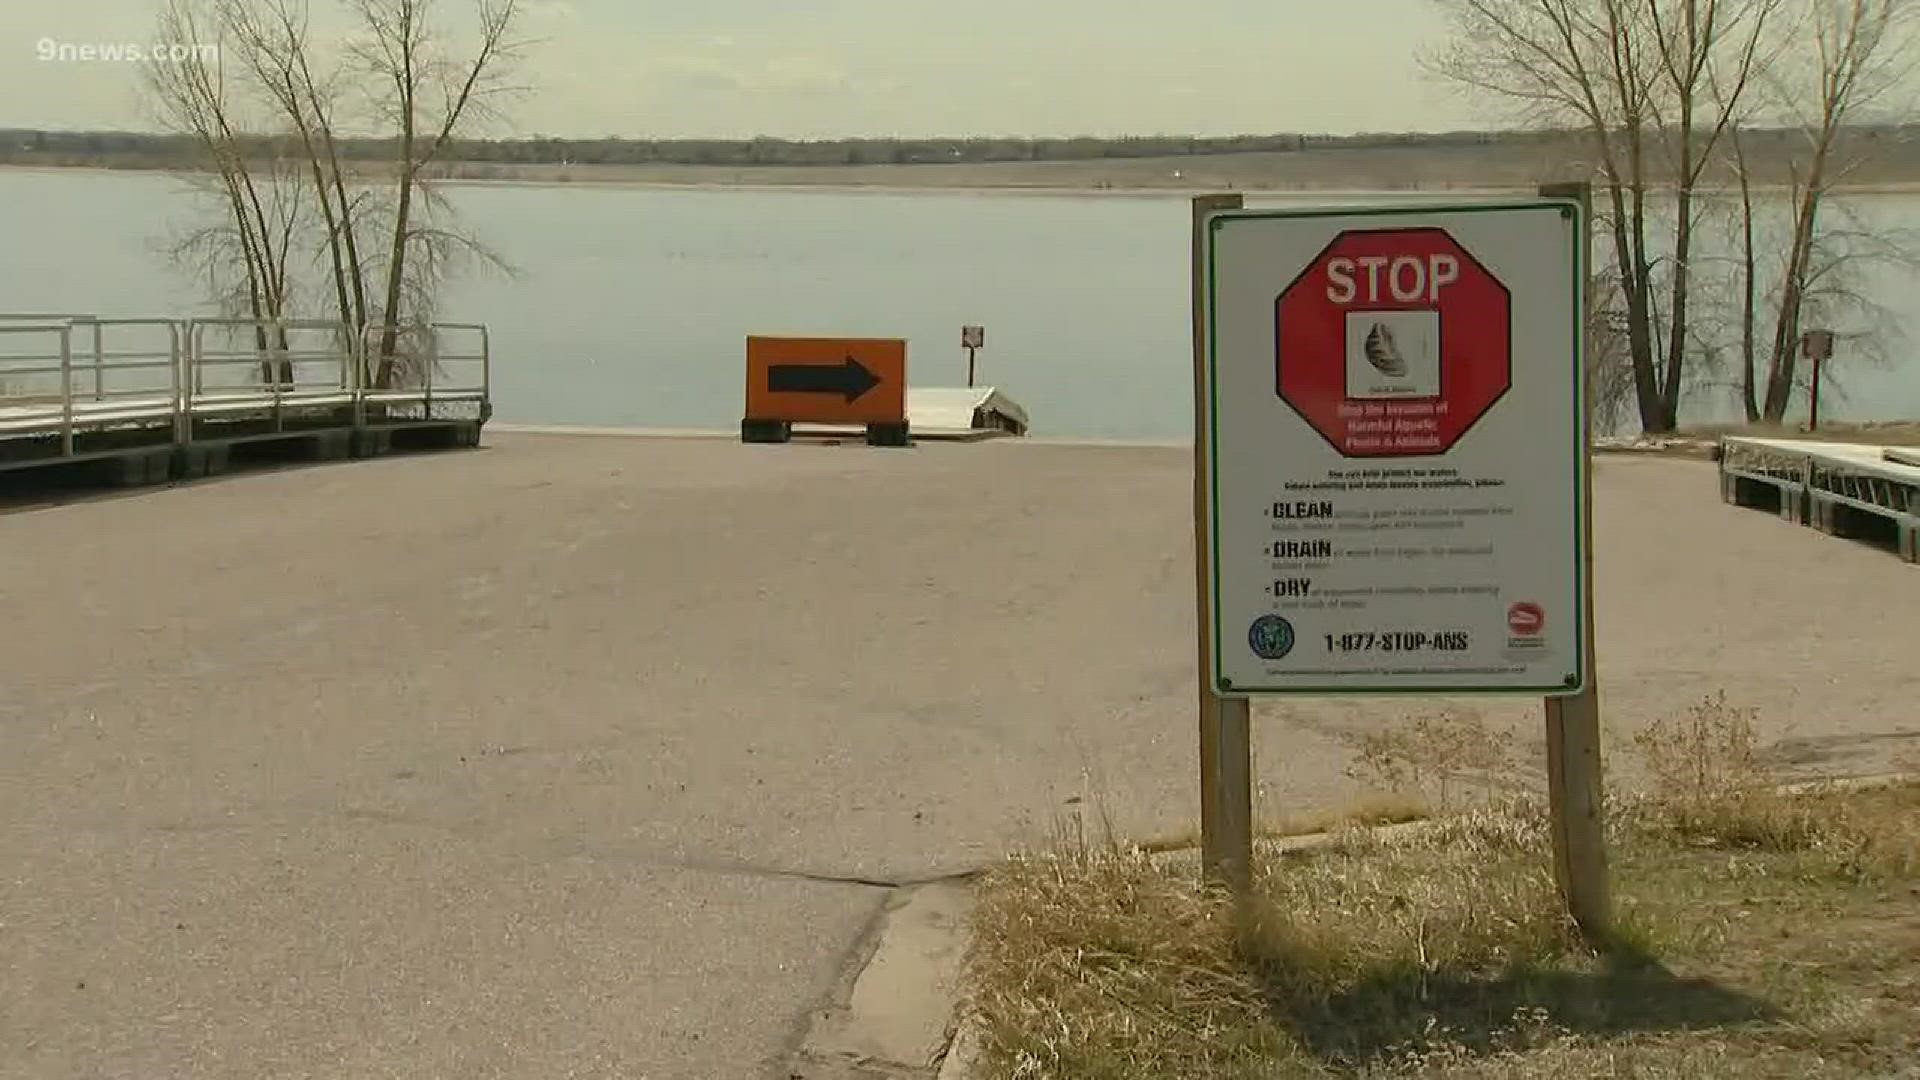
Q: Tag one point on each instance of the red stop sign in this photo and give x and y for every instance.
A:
(1393, 342)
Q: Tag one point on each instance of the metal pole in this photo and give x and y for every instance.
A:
(969, 367)
(276, 352)
(1813, 406)
(100, 362)
(1574, 788)
(358, 360)
(197, 384)
(433, 361)
(182, 426)
(66, 391)
(1226, 746)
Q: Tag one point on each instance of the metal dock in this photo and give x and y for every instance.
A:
(964, 412)
(1854, 490)
(153, 399)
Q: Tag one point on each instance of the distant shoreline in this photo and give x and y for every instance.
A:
(1133, 178)
(1880, 159)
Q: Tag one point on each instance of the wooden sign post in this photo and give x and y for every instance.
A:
(1392, 490)
(1817, 347)
(1226, 741)
(1574, 787)
(972, 339)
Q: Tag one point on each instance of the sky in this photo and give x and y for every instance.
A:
(834, 68)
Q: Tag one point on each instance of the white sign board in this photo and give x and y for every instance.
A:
(1396, 445)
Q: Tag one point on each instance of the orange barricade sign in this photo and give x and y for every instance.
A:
(827, 380)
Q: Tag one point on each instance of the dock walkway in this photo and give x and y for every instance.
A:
(1854, 490)
(154, 398)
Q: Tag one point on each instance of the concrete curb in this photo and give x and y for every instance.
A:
(963, 1055)
(1854, 783)
(898, 1020)
(612, 432)
(1186, 858)
(817, 433)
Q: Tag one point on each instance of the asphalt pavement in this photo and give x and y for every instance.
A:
(600, 756)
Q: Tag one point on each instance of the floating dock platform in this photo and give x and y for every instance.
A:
(1854, 490)
(946, 414)
(149, 400)
(964, 412)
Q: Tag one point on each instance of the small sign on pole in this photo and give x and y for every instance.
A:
(1817, 347)
(972, 339)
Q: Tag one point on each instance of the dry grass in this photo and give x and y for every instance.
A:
(1713, 789)
(1378, 808)
(1368, 811)
(1760, 935)
(1446, 757)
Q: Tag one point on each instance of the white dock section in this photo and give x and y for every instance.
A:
(959, 412)
(172, 396)
(1846, 489)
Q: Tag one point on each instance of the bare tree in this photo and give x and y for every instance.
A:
(192, 96)
(428, 97)
(1654, 85)
(279, 123)
(1861, 51)
(1709, 55)
(271, 39)
(1748, 277)
(1609, 363)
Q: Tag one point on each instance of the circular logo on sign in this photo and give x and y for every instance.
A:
(1526, 619)
(1270, 637)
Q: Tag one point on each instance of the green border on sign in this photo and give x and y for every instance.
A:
(1576, 214)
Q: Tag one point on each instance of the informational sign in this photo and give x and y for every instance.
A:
(1817, 345)
(827, 380)
(973, 337)
(1396, 447)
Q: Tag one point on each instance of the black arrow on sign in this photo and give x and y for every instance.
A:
(851, 379)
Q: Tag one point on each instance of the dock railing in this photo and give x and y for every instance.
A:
(1848, 489)
(290, 360)
(76, 374)
(36, 364)
(447, 363)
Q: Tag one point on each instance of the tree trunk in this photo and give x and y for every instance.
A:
(1654, 416)
(396, 279)
(1749, 315)
(1682, 238)
(1793, 293)
(349, 233)
(406, 81)
(356, 311)
(1639, 345)
(323, 193)
(250, 257)
(1677, 340)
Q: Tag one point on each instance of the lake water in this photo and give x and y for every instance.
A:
(630, 306)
